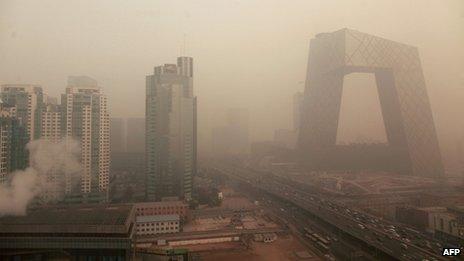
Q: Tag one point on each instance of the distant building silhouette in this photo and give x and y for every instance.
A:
(127, 135)
(285, 138)
(118, 135)
(233, 137)
(412, 140)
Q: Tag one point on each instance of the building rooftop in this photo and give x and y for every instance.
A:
(15, 88)
(160, 203)
(81, 81)
(432, 209)
(157, 218)
(92, 219)
(459, 210)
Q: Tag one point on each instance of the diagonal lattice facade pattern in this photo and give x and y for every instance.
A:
(412, 141)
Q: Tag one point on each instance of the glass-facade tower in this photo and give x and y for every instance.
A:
(170, 131)
(412, 141)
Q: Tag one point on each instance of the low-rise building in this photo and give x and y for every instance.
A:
(449, 225)
(85, 232)
(157, 224)
(418, 217)
(162, 208)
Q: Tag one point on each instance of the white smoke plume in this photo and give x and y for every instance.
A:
(50, 166)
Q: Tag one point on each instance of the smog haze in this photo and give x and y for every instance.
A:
(248, 54)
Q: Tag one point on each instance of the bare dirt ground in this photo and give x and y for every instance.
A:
(283, 249)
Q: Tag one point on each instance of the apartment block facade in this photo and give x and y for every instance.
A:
(86, 119)
(13, 139)
(28, 100)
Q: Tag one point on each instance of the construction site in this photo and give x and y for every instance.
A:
(239, 229)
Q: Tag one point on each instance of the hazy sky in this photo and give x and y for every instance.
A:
(247, 53)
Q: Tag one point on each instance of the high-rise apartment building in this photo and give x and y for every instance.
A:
(13, 140)
(28, 100)
(50, 127)
(85, 118)
(170, 130)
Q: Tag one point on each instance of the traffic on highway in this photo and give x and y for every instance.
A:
(395, 240)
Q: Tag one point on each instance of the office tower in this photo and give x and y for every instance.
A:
(170, 130)
(412, 141)
(118, 137)
(135, 135)
(233, 137)
(297, 108)
(85, 118)
(28, 100)
(13, 140)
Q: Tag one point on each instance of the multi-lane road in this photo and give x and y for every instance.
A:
(394, 240)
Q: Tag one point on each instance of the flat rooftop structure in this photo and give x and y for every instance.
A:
(88, 219)
(432, 209)
(161, 203)
(162, 208)
(84, 231)
(157, 218)
(458, 210)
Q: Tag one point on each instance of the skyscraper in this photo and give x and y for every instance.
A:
(170, 130)
(412, 141)
(28, 100)
(13, 140)
(85, 118)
